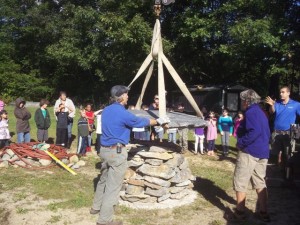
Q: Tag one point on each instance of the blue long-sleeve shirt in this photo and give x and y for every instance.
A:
(117, 123)
(225, 124)
(254, 133)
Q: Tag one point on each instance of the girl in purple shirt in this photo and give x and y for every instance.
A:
(199, 139)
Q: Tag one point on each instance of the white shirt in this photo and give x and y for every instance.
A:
(4, 132)
(98, 128)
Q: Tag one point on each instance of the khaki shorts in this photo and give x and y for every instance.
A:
(249, 169)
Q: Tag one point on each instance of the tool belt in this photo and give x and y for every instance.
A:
(112, 146)
(283, 132)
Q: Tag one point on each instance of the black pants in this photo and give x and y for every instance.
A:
(61, 136)
(4, 142)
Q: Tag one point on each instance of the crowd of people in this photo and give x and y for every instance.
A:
(250, 128)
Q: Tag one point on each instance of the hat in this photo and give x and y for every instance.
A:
(250, 95)
(118, 90)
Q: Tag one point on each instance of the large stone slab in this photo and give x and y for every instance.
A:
(156, 193)
(162, 171)
(177, 119)
(156, 155)
(129, 174)
(164, 197)
(175, 190)
(181, 176)
(134, 198)
(158, 181)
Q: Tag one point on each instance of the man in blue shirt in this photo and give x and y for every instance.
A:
(116, 126)
(253, 143)
(285, 111)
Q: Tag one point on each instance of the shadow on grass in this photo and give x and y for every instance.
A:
(212, 193)
(96, 179)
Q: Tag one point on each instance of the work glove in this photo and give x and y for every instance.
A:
(163, 120)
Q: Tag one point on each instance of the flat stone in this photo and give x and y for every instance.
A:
(65, 161)
(10, 152)
(175, 190)
(150, 199)
(157, 149)
(6, 157)
(14, 158)
(153, 186)
(134, 198)
(176, 161)
(81, 163)
(156, 155)
(74, 159)
(184, 183)
(162, 171)
(158, 181)
(154, 162)
(181, 176)
(44, 162)
(180, 195)
(134, 190)
(4, 164)
(156, 193)
(164, 197)
(136, 182)
(134, 164)
(139, 177)
(184, 165)
(129, 173)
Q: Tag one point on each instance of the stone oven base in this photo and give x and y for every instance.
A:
(169, 203)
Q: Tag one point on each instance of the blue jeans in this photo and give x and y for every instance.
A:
(211, 145)
(82, 144)
(70, 125)
(172, 137)
(23, 137)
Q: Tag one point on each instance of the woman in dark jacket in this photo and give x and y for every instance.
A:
(22, 125)
(42, 120)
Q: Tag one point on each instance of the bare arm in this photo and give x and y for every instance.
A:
(270, 102)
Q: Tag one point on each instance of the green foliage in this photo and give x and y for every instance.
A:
(84, 47)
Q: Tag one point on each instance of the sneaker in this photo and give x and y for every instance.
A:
(264, 216)
(94, 211)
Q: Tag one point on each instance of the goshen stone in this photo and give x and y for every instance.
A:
(134, 190)
(154, 162)
(176, 161)
(157, 149)
(180, 195)
(162, 171)
(156, 155)
(157, 181)
(153, 186)
(129, 174)
(156, 193)
(136, 182)
(164, 197)
(184, 183)
(175, 190)
(181, 176)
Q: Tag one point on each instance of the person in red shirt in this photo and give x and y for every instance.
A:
(91, 118)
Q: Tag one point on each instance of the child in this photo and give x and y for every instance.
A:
(237, 122)
(42, 120)
(83, 133)
(199, 139)
(226, 127)
(89, 114)
(98, 128)
(212, 133)
(4, 132)
(23, 116)
(62, 125)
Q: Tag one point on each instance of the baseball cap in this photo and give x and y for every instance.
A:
(118, 90)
